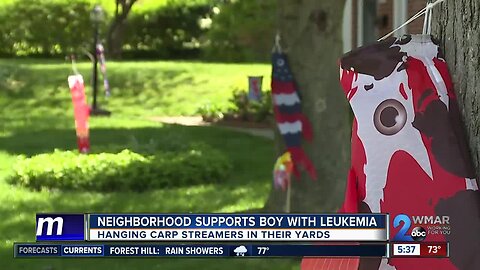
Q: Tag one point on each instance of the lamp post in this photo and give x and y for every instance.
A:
(97, 17)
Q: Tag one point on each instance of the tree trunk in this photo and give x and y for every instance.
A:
(456, 24)
(311, 31)
(117, 27)
(115, 38)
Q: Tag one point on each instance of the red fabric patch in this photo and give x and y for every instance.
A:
(402, 91)
(279, 87)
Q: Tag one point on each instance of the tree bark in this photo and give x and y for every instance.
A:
(117, 27)
(311, 31)
(456, 24)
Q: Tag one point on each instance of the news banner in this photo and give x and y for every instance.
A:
(219, 235)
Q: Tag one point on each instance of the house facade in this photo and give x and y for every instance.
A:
(365, 21)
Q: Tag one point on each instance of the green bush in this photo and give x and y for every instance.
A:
(126, 170)
(242, 31)
(172, 31)
(241, 109)
(37, 27)
(49, 28)
(210, 112)
(247, 110)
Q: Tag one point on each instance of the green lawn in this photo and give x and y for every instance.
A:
(37, 118)
(138, 88)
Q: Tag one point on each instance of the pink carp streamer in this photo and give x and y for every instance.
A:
(81, 112)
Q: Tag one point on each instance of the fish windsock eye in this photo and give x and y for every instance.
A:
(390, 117)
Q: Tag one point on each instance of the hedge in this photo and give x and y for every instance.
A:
(239, 30)
(59, 28)
(123, 171)
(36, 27)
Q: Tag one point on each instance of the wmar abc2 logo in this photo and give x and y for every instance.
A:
(60, 227)
(436, 225)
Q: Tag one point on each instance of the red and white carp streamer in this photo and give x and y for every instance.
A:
(291, 122)
(409, 153)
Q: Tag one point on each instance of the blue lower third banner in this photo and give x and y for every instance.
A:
(197, 250)
(212, 227)
(237, 227)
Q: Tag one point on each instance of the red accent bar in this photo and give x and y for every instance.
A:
(434, 249)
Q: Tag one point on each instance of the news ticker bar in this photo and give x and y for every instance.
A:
(389, 250)
(212, 227)
(197, 250)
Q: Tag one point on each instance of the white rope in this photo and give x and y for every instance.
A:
(427, 11)
(427, 22)
(277, 47)
(74, 65)
(414, 17)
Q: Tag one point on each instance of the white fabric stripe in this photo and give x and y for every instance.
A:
(329, 262)
(471, 184)
(73, 79)
(385, 266)
(426, 53)
(437, 81)
(286, 99)
(293, 127)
